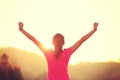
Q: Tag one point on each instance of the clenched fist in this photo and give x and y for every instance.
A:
(20, 24)
(95, 25)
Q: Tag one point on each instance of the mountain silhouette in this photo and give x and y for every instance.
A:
(34, 67)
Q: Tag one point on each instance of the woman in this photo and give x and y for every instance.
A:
(58, 58)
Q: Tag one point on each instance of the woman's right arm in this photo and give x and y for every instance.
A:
(32, 38)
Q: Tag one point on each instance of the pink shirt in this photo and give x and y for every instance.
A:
(58, 67)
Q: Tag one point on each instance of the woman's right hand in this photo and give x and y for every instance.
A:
(20, 24)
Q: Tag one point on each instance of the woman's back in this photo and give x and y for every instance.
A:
(58, 66)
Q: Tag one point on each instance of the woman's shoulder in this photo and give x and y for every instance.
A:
(68, 50)
(48, 51)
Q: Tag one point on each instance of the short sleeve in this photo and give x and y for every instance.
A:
(69, 51)
(48, 52)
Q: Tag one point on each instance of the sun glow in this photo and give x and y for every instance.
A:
(73, 19)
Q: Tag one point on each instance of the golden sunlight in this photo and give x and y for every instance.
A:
(71, 18)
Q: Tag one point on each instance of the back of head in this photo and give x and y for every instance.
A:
(58, 40)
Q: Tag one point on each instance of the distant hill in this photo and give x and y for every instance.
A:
(34, 67)
(31, 64)
(95, 71)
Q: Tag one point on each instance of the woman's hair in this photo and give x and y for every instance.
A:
(58, 39)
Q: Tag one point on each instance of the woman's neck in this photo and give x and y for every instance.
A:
(57, 51)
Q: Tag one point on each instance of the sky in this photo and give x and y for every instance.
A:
(72, 18)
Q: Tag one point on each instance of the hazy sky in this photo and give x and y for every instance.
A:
(72, 18)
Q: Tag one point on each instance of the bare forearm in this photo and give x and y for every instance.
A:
(29, 36)
(32, 38)
(84, 38)
(38, 44)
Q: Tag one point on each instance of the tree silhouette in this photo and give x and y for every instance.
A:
(7, 72)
